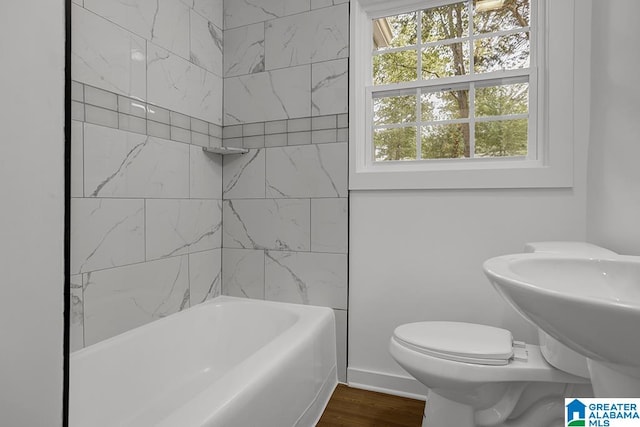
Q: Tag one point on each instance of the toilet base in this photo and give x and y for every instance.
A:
(538, 405)
(439, 411)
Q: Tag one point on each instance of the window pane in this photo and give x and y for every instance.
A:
(445, 105)
(394, 109)
(395, 144)
(501, 53)
(502, 100)
(499, 15)
(501, 138)
(445, 60)
(445, 22)
(395, 67)
(395, 31)
(445, 141)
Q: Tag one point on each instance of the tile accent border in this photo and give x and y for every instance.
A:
(98, 106)
(279, 133)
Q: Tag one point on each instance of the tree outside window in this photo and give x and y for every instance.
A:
(439, 89)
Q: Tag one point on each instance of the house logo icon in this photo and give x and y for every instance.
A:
(576, 413)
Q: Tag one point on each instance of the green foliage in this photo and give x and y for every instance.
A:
(445, 141)
(450, 56)
(395, 143)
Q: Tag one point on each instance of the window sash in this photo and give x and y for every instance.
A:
(470, 80)
(472, 38)
(497, 78)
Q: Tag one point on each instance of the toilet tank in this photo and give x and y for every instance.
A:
(568, 248)
(556, 353)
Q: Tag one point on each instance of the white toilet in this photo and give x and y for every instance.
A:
(478, 375)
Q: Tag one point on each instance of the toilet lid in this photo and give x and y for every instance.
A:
(458, 341)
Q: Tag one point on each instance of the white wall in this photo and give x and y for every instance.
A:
(417, 255)
(32, 214)
(614, 151)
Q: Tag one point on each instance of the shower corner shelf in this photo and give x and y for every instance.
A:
(224, 150)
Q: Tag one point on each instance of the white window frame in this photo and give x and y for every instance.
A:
(551, 86)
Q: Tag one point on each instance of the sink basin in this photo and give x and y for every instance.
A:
(591, 305)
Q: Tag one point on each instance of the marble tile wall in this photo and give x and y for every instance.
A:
(164, 52)
(285, 59)
(158, 225)
(146, 207)
(285, 202)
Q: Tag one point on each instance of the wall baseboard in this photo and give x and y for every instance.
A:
(386, 383)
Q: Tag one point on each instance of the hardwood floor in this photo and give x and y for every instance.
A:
(353, 407)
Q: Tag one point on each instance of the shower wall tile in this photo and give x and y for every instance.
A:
(329, 224)
(243, 176)
(285, 201)
(177, 227)
(306, 278)
(132, 124)
(253, 129)
(146, 227)
(299, 138)
(324, 123)
(205, 175)
(163, 22)
(179, 85)
(125, 164)
(315, 36)
(132, 107)
(233, 142)
(100, 116)
(180, 135)
(287, 41)
(209, 9)
(107, 56)
(77, 91)
(316, 4)
(199, 139)
(275, 140)
(341, 343)
(243, 273)
(100, 98)
(205, 275)
(76, 324)
(239, 13)
(77, 155)
(324, 136)
(330, 29)
(318, 170)
(159, 130)
(77, 111)
(206, 44)
(329, 87)
(106, 233)
(199, 126)
(272, 95)
(244, 47)
(275, 127)
(138, 293)
(267, 224)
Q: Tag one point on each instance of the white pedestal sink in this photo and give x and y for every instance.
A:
(590, 305)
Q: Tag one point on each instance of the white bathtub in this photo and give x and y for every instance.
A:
(227, 362)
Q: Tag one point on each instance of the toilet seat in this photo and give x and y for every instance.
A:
(459, 342)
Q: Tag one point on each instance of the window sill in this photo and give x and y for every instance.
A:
(489, 175)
